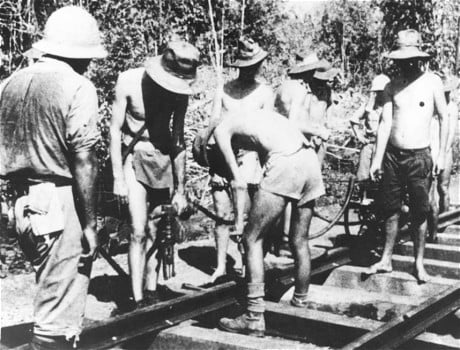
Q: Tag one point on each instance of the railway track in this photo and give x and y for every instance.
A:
(347, 309)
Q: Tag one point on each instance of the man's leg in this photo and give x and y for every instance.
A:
(432, 219)
(419, 224)
(266, 209)
(391, 227)
(300, 226)
(223, 208)
(137, 197)
(444, 183)
(390, 202)
(418, 186)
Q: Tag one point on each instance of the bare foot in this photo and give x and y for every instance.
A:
(217, 273)
(421, 275)
(380, 267)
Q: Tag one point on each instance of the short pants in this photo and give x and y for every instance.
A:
(411, 168)
(296, 176)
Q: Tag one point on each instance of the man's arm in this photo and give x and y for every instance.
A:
(453, 122)
(178, 154)
(85, 171)
(223, 135)
(300, 118)
(118, 118)
(216, 113)
(383, 133)
(443, 117)
(355, 121)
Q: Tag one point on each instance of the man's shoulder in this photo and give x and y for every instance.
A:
(132, 75)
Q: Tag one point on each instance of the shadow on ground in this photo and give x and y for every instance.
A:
(204, 259)
(17, 335)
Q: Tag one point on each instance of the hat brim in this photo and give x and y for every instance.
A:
(70, 51)
(167, 80)
(302, 68)
(326, 75)
(239, 63)
(406, 53)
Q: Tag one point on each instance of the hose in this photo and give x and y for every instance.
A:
(351, 183)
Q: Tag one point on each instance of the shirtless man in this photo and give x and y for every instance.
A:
(155, 170)
(296, 101)
(440, 199)
(368, 116)
(403, 145)
(239, 96)
(294, 98)
(292, 174)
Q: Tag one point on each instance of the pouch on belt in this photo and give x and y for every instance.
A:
(39, 221)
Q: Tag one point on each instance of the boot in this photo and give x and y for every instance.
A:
(252, 322)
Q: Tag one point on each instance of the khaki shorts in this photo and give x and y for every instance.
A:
(296, 176)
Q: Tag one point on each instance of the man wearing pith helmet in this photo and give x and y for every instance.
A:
(403, 146)
(48, 115)
(153, 172)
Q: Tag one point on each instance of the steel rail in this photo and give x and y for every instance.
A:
(402, 329)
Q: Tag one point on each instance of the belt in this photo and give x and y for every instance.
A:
(22, 188)
(407, 152)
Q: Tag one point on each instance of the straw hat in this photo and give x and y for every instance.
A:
(379, 82)
(175, 69)
(310, 62)
(327, 74)
(73, 33)
(408, 44)
(249, 53)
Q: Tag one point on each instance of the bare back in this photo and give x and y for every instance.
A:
(266, 132)
(413, 105)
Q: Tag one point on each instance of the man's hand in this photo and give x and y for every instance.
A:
(325, 134)
(375, 171)
(179, 202)
(120, 189)
(439, 165)
(89, 242)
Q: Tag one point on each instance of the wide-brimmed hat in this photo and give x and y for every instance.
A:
(379, 82)
(175, 69)
(32, 53)
(327, 74)
(249, 53)
(310, 62)
(408, 46)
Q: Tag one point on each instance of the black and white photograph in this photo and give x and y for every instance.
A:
(230, 174)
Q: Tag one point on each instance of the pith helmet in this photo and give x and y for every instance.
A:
(73, 33)
(175, 69)
(379, 82)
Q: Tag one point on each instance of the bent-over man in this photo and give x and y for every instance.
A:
(153, 173)
(291, 174)
(403, 147)
(48, 131)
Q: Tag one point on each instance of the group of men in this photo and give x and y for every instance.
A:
(262, 160)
